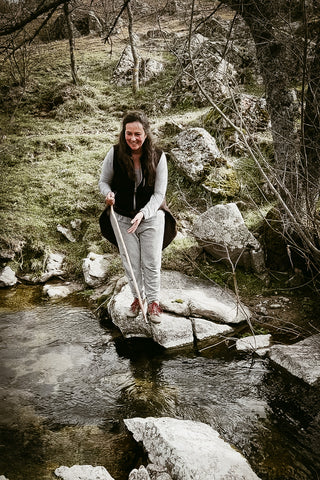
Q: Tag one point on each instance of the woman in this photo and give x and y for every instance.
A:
(134, 180)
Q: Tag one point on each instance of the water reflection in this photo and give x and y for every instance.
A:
(67, 382)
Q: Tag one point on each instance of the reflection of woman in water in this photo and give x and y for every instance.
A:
(134, 180)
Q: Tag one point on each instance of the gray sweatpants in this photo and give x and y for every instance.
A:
(144, 247)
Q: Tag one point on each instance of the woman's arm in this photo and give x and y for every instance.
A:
(160, 188)
(106, 174)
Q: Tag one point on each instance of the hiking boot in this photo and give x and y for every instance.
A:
(154, 312)
(134, 308)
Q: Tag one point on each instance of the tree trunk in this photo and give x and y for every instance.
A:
(71, 43)
(311, 133)
(273, 56)
(136, 62)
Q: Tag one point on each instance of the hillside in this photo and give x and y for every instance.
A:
(54, 136)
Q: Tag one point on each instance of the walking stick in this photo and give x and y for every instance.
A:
(129, 263)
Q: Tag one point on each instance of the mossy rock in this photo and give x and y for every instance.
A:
(222, 182)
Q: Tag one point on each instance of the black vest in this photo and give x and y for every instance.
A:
(124, 189)
(128, 199)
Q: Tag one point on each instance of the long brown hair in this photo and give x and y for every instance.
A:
(148, 158)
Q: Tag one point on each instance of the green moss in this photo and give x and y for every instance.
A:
(222, 182)
(256, 331)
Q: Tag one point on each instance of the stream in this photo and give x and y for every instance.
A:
(68, 381)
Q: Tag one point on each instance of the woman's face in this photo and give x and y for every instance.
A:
(135, 136)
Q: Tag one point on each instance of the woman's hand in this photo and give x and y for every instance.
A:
(135, 222)
(110, 199)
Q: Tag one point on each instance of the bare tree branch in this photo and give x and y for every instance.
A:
(124, 6)
(53, 5)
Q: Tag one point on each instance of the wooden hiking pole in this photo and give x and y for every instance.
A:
(129, 263)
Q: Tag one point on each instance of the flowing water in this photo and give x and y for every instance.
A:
(67, 382)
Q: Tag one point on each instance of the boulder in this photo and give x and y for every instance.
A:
(82, 472)
(199, 159)
(189, 450)
(301, 359)
(53, 267)
(182, 45)
(216, 74)
(257, 343)
(205, 329)
(7, 277)
(196, 150)
(148, 68)
(61, 291)
(66, 232)
(123, 71)
(171, 332)
(250, 115)
(241, 51)
(83, 23)
(87, 23)
(193, 297)
(96, 268)
(58, 30)
(222, 233)
(193, 310)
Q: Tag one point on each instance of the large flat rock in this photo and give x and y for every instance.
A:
(301, 359)
(193, 310)
(189, 450)
(173, 331)
(189, 296)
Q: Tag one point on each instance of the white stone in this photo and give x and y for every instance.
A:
(95, 268)
(60, 291)
(222, 233)
(189, 450)
(189, 296)
(118, 308)
(83, 472)
(7, 277)
(196, 149)
(255, 343)
(171, 332)
(54, 266)
(205, 329)
(301, 359)
(139, 474)
(66, 233)
(76, 223)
